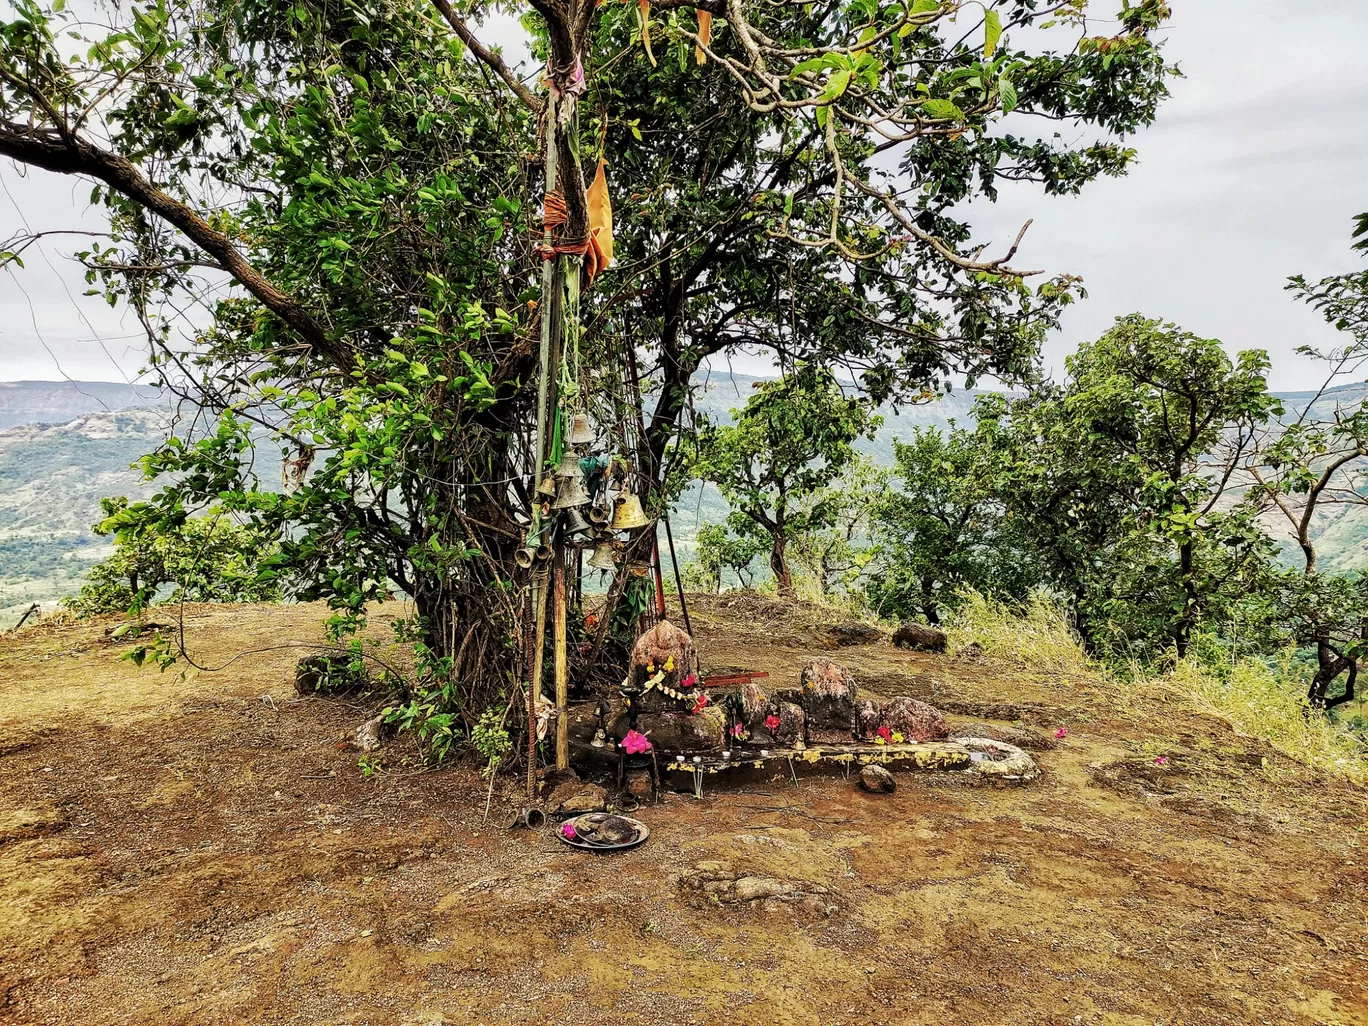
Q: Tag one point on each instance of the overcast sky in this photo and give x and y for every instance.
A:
(1253, 172)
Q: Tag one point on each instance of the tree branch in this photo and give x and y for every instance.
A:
(48, 149)
(488, 56)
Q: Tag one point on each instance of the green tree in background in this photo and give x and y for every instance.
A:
(203, 559)
(835, 550)
(793, 437)
(943, 529)
(1117, 479)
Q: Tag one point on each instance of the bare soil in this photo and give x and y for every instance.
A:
(206, 850)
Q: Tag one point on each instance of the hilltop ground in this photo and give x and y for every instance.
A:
(203, 851)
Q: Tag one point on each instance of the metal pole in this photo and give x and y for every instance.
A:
(679, 581)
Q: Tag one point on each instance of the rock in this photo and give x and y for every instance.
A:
(828, 696)
(704, 731)
(665, 649)
(851, 632)
(792, 727)
(372, 734)
(589, 798)
(921, 637)
(999, 760)
(328, 675)
(1022, 737)
(914, 720)
(877, 780)
(868, 716)
(753, 888)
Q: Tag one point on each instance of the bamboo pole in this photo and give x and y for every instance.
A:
(561, 658)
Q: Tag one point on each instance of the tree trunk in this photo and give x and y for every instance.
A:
(779, 566)
(1182, 634)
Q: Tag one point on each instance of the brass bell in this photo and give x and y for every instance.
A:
(600, 515)
(544, 553)
(628, 513)
(603, 558)
(569, 465)
(547, 487)
(581, 433)
(523, 557)
(571, 493)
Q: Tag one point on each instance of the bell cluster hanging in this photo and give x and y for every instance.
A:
(591, 496)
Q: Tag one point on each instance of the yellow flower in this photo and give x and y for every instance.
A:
(650, 667)
(669, 664)
(880, 741)
(897, 738)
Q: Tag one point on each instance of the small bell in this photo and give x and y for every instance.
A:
(547, 487)
(603, 558)
(629, 513)
(600, 515)
(523, 557)
(571, 493)
(543, 553)
(569, 465)
(580, 431)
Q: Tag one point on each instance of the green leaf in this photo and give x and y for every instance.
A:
(1009, 96)
(942, 109)
(992, 32)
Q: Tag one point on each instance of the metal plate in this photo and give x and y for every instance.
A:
(640, 833)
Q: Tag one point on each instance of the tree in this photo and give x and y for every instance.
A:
(206, 559)
(1117, 479)
(793, 437)
(366, 179)
(943, 529)
(835, 549)
(729, 547)
(1315, 464)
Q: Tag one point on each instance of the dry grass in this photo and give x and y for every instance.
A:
(1267, 703)
(1039, 636)
(1260, 701)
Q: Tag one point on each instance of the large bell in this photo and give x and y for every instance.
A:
(629, 513)
(571, 493)
(603, 558)
(581, 433)
(569, 465)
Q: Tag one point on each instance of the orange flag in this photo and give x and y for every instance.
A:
(600, 253)
(644, 6)
(705, 34)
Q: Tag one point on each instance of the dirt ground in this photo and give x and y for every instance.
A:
(206, 850)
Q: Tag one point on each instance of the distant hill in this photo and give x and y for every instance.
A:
(57, 402)
(64, 445)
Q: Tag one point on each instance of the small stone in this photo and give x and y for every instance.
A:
(877, 780)
(372, 734)
(914, 720)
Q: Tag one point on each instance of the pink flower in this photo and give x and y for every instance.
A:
(635, 743)
(1161, 760)
(1061, 734)
(885, 733)
(689, 681)
(568, 831)
(738, 729)
(772, 722)
(700, 703)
